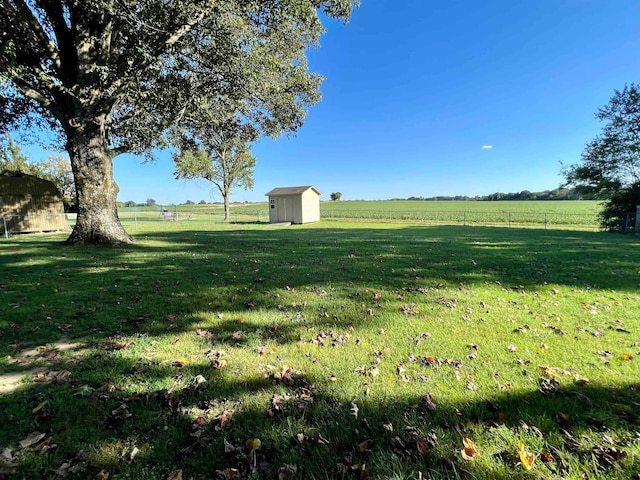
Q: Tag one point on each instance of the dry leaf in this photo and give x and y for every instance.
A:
(546, 457)
(287, 471)
(627, 356)
(102, 475)
(39, 407)
(229, 474)
(469, 451)
(32, 439)
(120, 345)
(175, 475)
(365, 445)
(527, 458)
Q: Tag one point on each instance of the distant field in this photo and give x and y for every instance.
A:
(570, 214)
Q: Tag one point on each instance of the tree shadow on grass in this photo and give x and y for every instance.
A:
(203, 427)
(170, 282)
(166, 280)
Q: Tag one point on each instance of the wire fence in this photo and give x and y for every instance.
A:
(469, 218)
(131, 219)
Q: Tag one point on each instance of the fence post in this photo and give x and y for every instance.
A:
(545, 221)
(464, 221)
(509, 219)
(6, 232)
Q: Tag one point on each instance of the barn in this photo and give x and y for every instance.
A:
(294, 205)
(29, 204)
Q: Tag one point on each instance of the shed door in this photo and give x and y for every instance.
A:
(285, 209)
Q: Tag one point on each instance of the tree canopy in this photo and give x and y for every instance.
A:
(114, 76)
(610, 163)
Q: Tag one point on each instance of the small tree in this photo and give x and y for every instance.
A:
(189, 202)
(12, 159)
(150, 202)
(218, 153)
(202, 202)
(610, 167)
(57, 168)
(335, 196)
(129, 203)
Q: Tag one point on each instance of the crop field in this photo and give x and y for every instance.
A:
(544, 214)
(338, 350)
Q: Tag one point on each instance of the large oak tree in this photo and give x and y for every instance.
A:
(114, 76)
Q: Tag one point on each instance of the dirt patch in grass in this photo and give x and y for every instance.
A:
(44, 356)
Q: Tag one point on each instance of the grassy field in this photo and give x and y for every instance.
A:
(334, 350)
(574, 214)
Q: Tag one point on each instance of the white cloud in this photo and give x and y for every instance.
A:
(487, 147)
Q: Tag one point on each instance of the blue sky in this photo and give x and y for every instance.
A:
(415, 89)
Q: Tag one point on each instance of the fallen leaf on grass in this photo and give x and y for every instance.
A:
(8, 462)
(122, 412)
(526, 458)
(284, 377)
(39, 407)
(470, 450)
(580, 380)
(32, 439)
(627, 356)
(121, 345)
(228, 474)
(237, 335)
(546, 457)
(102, 475)
(204, 333)
(175, 475)
(549, 386)
(287, 471)
(607, 456)
(365, 445)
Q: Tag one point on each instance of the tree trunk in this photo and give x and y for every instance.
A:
(227, 211)
(96, 189)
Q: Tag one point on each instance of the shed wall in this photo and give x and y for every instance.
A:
(310, 205)
(30, 204)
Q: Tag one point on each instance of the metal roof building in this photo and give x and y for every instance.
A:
(29, 204)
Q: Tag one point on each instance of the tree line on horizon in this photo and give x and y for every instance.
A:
(560, 193)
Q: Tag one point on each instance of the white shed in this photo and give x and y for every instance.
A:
(294, 204)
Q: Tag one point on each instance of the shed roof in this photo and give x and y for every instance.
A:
(18, 183)
(292, 190)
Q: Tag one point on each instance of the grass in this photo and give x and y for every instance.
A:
(552, 214)
(351, 350)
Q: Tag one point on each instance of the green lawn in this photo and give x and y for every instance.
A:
(553, 214)
(350, 350)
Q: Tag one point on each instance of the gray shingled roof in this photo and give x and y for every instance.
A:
(291, 190)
